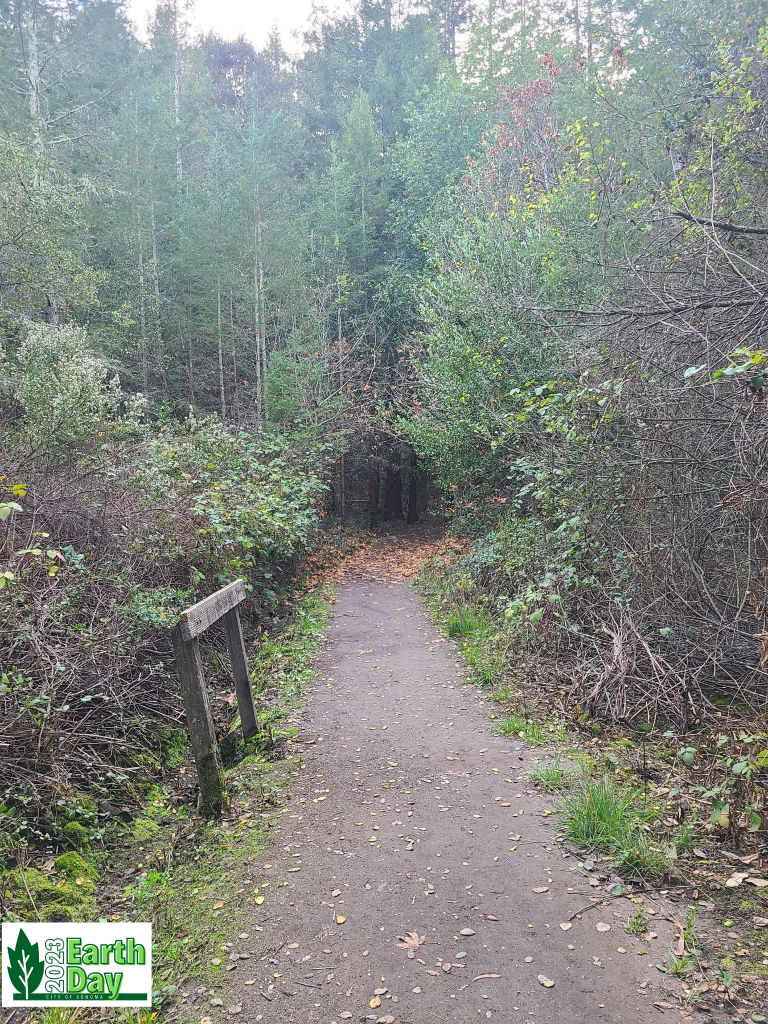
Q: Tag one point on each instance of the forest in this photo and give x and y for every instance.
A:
(499, 265)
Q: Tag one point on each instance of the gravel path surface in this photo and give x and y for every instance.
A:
(418, 820)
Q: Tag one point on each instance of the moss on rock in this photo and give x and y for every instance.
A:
(145, 829)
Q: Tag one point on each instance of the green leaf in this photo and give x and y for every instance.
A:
(26, 968)
(719, 808)
(692, 370)
(762, 759)
(6, 507)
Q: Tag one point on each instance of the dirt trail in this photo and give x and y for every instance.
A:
(407, 826)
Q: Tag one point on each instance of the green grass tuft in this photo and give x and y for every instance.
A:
(600, 813)
(637, 923)
(552, 777)
(469, 622)
(518, 725)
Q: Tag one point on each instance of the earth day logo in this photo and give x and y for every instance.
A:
(85, 964)
(26, 968)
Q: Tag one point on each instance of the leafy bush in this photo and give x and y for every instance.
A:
(62, 387)
(127, 532)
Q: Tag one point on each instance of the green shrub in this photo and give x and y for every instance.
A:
(62, 387)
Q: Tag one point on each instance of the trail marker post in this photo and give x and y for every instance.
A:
(192, 622)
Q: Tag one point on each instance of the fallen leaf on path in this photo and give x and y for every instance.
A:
(295, 945)
(466, 931)
(760, 883)
(597, 961)
(566, 926)
(386, 1020)
(749, 859)
(459, 956)
(340, 919)
(433, 973)
(336, 892)
(760, 922)
(251, 981)
(664, 1006)
(480, 976)
(490, 917)
(416, 990)
(290, 870)
(218, 904)
(345, 1015)
(410, 941)
(216, 961)
(236, 1009)
(736, 879)
(699, 853)
(602, 926)
(380, 991)
(447, 968)
(620, 949)
(206, 1020)
(546, 982)
(375, 1002)
(259, 900)
(541, 888)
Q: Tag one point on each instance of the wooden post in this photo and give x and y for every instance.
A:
(210, 773)
(237, 660)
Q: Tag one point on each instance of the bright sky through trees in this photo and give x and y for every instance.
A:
(231, 18)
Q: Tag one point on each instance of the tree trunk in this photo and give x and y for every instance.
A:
(393, 501)
(176, 105)
(342, 490)
(413, 490)
(221, 348)
(142, 310)
(373, 490)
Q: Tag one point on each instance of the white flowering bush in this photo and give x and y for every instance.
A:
(62, 387)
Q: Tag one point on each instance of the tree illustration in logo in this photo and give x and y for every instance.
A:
(25, 968)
